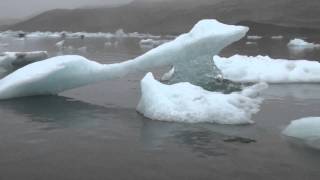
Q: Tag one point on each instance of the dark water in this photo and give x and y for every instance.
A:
(94, 132)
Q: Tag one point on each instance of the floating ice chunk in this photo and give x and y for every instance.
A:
(150, 43)
(264, 69)
(251, 43)
(300, 43)
(277, 37)
(10, 61)
(168, 75)
(39, 34)
(190, 54)
(184, 102)
(254, 37)
(60, 44)
(305, 129)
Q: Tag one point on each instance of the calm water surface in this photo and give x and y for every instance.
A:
(94, 132)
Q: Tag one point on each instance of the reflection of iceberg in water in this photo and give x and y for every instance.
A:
(299, 52)
(201, 139)
(296, 91)
(63, 112)
(54, 111)
(58, 74)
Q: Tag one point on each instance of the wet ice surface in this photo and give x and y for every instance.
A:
(94, 132)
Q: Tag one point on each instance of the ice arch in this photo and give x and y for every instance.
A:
(190, 54)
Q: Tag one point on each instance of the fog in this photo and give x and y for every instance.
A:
(25, 8)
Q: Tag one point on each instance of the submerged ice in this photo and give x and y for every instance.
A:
(190, 54)
(184, 102)
(240, 68)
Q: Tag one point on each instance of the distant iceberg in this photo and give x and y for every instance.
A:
(184, 102)
(300, 43)
(305, 129)
(10, 61)
(64, 34)
(191, 55)
(240, 68)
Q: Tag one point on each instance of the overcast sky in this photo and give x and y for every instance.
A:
(24, 8)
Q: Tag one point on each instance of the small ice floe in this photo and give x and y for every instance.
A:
(151, 43)
(184, 102)
(300, 43)
(254, 37)
(60, 44)
(306, 130)
(251, 43)
(277, 37)
(265, 69)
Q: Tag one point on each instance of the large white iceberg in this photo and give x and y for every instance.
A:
(10, 61)
(184, 102)
(189, 53)
(300, 43)
(240, 68)
(305, 129)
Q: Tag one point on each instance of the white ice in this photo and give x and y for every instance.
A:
(61, 73)
(305, 129)
(151, 43)
(60, 44)
(251, 43)
(184, 102)
(265, 69)
(300, 43)
(254, 37)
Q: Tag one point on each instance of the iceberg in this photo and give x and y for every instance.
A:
(240, 68)
(300, 43)
(305, 129)
(10, 61)
(184, 102)
(190, 54)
